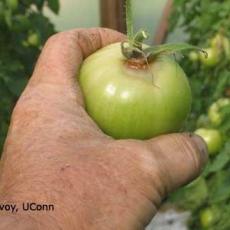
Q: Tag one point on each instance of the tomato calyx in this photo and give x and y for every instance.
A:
(138, 54)
(134, 49)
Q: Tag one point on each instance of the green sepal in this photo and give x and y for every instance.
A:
(139, 38)
(154, 51)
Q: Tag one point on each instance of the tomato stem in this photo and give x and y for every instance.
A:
(133, 47)
(129, 19)
(139, 37)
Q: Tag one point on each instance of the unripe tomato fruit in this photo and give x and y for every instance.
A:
(212, 59)
(33, 39)
(213, 139)
(193, 56)
(209, 216)
(214, 111)
(217, 41)
(128, 102)
(221, 42)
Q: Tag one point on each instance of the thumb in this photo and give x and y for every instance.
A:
(180, 157)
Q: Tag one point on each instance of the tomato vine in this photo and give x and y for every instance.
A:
(206, 24)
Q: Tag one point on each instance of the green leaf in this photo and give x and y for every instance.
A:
(17, 85)
(8, 17)
(193, 195)
(12, 4)
(224, 222)
(219, 186)
(221, 160)
(54, 5)
(39, 4)
(152, 52)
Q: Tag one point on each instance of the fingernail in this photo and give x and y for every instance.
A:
(201, 146)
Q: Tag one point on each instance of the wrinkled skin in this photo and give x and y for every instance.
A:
(55, 153)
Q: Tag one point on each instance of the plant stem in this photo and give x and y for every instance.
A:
(129, 19)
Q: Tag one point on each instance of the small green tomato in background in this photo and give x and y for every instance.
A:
(217, 41)
(193, 56)
(209, 216)
(212, 59)
(33, 39)
(213, 139)
(214, 111)
(221, 42)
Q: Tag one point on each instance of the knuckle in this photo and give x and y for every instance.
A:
(58, 38)
(148, 170)
(191, 151)
(136, 153)
(54, 37)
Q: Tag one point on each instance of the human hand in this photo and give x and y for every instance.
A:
(55, 153)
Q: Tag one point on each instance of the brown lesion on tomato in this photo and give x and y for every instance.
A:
(137, 63)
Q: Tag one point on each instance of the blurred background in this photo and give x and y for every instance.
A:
(25, 25)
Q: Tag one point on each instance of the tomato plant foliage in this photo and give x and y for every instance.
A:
(23, 30)
(204, 22)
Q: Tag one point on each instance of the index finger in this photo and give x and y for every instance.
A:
(64, 52)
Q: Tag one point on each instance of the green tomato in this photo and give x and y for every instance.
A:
(217, 41)
(12, 4)
(33, 39)
(214, 111)
(131, 102)
(213, 139)
(209, 216)
(212, 59)
(221, 42)
(193, 56)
